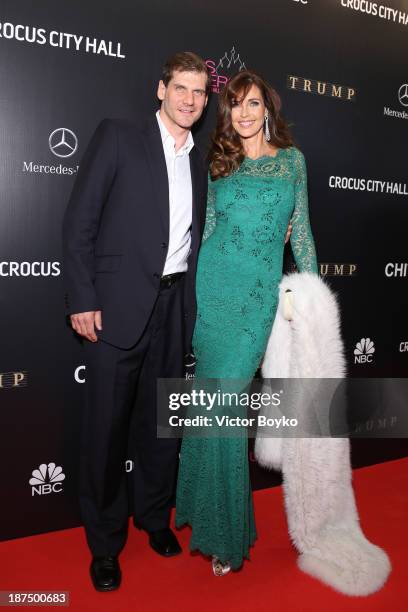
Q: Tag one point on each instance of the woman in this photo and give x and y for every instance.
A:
(257, 184)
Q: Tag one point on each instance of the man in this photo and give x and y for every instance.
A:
(131, 236)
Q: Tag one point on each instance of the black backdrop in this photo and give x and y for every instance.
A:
(53, 92)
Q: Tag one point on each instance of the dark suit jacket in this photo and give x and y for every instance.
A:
(116, 230)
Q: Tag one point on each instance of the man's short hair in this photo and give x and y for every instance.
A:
(185, 61)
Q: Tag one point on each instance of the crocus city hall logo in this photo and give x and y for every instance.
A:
(223, 69)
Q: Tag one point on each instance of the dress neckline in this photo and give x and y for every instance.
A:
(265, 156)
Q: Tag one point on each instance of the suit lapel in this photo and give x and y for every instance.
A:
(157, 163)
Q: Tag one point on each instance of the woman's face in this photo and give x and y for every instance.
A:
(247, 114)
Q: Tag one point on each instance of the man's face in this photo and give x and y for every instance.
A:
(184, 98)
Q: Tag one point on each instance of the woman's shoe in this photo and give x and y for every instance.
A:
(220, 568)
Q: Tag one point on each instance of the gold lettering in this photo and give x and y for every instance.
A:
(294, 80)
(18, 377)
(338, 269)
(306, 85)
(321, 88)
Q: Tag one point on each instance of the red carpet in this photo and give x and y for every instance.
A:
(270, 581)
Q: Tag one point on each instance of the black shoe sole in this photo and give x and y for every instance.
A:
(106, 589)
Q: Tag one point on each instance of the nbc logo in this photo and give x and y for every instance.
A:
(363, 353)
(46, 479)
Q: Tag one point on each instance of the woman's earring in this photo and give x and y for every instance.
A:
(266, 126)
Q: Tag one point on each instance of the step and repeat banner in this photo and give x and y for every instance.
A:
(341, 68)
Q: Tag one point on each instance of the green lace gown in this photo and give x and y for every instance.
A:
(238, 274)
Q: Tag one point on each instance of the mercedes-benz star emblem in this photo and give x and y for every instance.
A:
(403, 94)
(63, 142)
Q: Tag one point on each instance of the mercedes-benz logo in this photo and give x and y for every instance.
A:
(63, 142)
(403, 94)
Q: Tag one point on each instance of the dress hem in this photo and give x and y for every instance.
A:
(223, 557)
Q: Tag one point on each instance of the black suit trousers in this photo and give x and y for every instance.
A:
(121, 396)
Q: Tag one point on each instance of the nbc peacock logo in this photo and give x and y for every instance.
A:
(364, 351)
(46, 479)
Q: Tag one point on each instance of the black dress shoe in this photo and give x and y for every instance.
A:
(105, 573)
(164, 542)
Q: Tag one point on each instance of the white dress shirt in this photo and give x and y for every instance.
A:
(180, 200)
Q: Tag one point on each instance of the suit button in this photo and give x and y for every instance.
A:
(163, 245)
(156, 275)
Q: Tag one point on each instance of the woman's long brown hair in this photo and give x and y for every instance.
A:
(227, 152)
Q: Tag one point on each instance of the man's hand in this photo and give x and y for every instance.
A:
(84, 324)
(288, 232)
